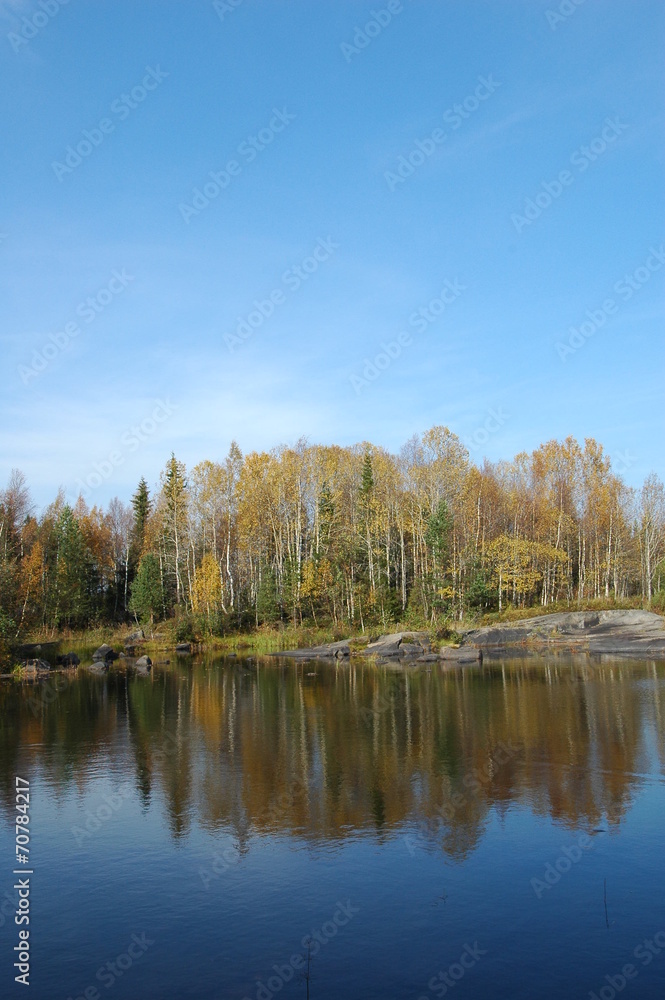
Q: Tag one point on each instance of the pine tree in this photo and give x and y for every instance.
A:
(174, 492)
(267, 599)
(367, 480)
(439, 528)
(437, 537)
(326, 516)
(146, 598)
(366, 492)
(72, 572)
(142, 506)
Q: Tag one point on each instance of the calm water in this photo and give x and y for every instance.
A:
(502, 827)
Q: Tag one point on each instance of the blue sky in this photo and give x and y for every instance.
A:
(467, 239)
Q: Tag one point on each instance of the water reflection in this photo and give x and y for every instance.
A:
(326, 751)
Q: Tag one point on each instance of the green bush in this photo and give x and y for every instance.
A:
(184, 625)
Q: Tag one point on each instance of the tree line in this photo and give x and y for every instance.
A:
(324, 535)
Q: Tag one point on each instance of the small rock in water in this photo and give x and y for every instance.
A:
(35, 666)
(68, 660)
(104, 652)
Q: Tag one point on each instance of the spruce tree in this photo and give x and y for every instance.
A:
(142, 506)
(174, 491)
(146, 599)
(367, 481)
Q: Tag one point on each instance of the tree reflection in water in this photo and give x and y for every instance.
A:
(328, 751)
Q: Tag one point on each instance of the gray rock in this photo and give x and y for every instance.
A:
(137, 636)
(410, 649)
(386, 646)
(331, 650)
(104, 652)
(143, 661)
(99, 667)
(183, 647)
(389, 645)
(625, 633)
(36, 666)
(68, 660)
(460, 654)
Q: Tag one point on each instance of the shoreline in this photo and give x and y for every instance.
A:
(617, 632)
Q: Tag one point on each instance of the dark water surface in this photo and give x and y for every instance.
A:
(502, 827)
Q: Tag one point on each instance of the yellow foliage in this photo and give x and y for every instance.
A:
(207, 586)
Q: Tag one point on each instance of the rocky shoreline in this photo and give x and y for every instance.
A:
(639, 634)
(415, 647)
(35, 664)
(618, 633)
(636, 634)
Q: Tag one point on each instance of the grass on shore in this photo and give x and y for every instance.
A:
(273, 638)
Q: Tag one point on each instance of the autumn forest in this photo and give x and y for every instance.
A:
(331, 536)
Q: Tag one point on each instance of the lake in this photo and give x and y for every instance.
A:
(215, 828)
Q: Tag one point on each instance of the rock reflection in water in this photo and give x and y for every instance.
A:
(327, 751)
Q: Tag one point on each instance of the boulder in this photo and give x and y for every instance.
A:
(460, 654)
(104, 652)
(138, 635)
(396, 645)
(36, 666)
(410, 649)
(331, 650)
(183, 647)
(99, 667)
(386, 645)
(143, 661)
(389, 645)
(621, 633)
(68, 660)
